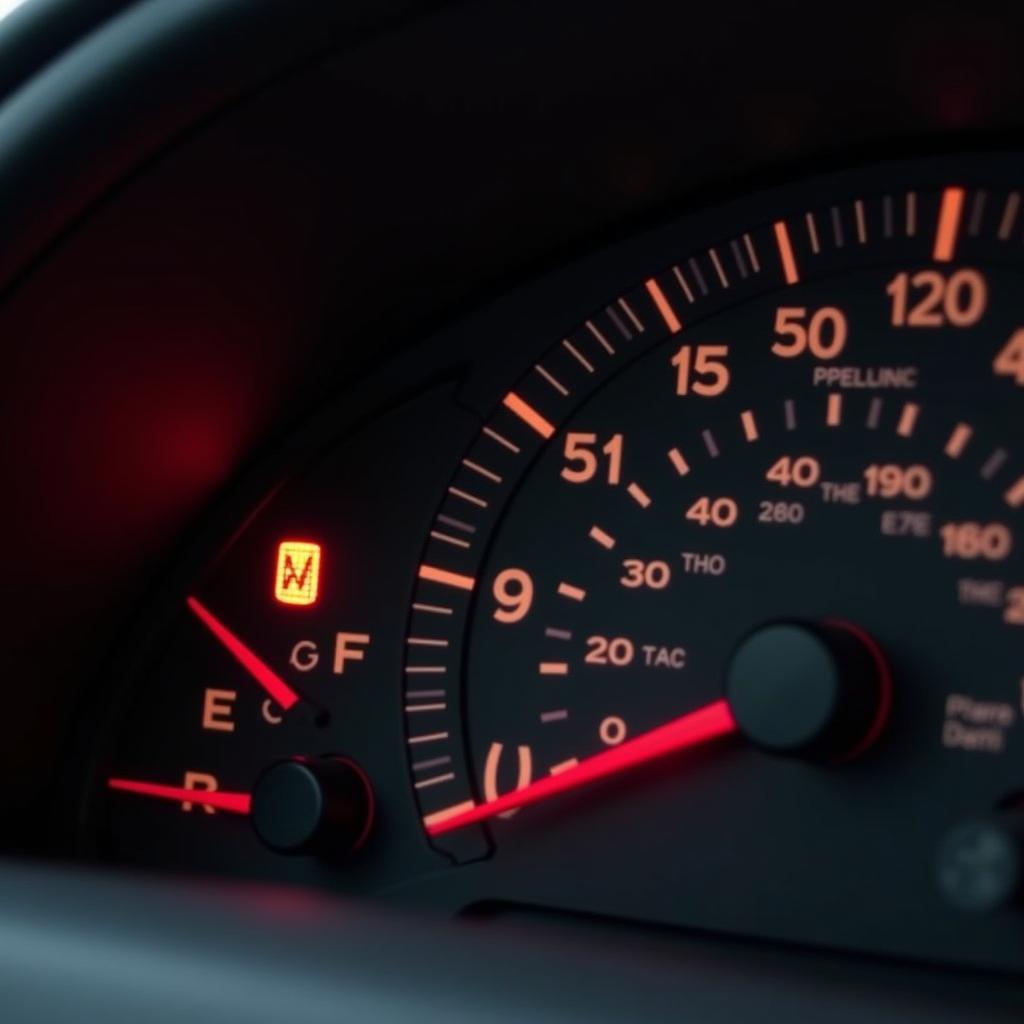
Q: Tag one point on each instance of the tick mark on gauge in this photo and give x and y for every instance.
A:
(557, 634)
(432, 609)
(554, 668)
(639, 495)
(619, 325)
(425, 670)
(547, 717)
(908, 419)
(1009, 216)
(837, 227)
(578, 356)
(789, 407)
(528, 415)
(601, 339)
(675, 456)
(668, 314)
(564, 766)
(430, 737)
(502, 440)
(449, 812)
(447, 538)
(911, 214)
(812, 233)
(426, 641)
(571, 592)
(684, 284)
(628, 310)
(431, 762)
(1015, 495)
(483, 471)
(834, 410)
(472, 499)
(698, 276)
(717, 263)
(433, 574)
(749, 425)
(434, 781)
(737, 257)
(552, 380)
(948, 224)
(710, 443)
(786, 252)
(874, 413)
(958, 440)
(458, 524)
(606, 540)
(752, 253)
(977, 213)
(420, 708)
(994, 463)
(862, 227)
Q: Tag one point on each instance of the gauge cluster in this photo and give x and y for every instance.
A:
(683, 586)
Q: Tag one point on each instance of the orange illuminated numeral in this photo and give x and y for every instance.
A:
(492, 764)
(297, 579)
(583, 462)
(959, 299)
(801, 471)
(1010, 361)
(991, 541)
(513, 590)
(609, 650)
(1014, 614)
(656, 575)
(704, 373)
(892, 481)
(612, 731)
(823, 334)
(720, 512)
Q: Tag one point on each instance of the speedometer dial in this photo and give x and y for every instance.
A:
(719, 620)
(767, 497)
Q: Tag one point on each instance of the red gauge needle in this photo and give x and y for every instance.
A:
(247, 658)
(689, 730)
(236, 803)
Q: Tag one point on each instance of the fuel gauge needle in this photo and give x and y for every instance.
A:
(260, 671)
(689, 730)
(235, 803)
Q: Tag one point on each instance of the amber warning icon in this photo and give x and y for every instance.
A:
(297, 580)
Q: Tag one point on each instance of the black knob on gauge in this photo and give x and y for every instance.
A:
(313, 805)
(819, 691)
(980, 864)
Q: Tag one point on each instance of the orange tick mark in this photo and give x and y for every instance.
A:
(449, 579)
(949, 224)
(529, 415)
(786, 252)
(1015, 495)
(667, 312)
(958, 440)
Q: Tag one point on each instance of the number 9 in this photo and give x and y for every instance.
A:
(513, 590)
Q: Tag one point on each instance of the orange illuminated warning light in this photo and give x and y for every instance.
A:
(297, 580)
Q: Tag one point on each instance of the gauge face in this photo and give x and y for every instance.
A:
(719, 621)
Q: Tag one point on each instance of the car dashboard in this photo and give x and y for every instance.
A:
(512, 509)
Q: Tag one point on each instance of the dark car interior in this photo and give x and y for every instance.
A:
(514, 511)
